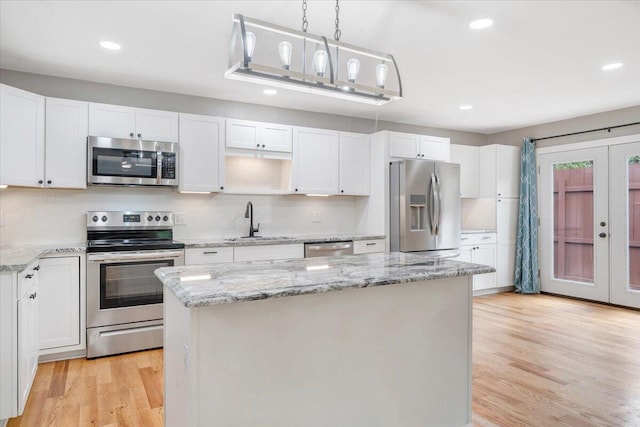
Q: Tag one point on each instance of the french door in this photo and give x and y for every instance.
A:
(590, 223)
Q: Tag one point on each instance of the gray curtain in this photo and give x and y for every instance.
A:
(526, 271)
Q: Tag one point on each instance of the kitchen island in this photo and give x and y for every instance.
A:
(274, 343)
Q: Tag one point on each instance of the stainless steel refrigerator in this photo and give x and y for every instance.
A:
(424, 203)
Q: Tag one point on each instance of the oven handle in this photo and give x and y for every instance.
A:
(130, 331)
(135, 256)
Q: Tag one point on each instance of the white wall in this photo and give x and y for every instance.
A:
(58, 216)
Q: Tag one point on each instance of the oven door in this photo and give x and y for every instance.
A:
(122, 286)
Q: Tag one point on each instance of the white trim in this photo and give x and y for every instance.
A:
(589, 144)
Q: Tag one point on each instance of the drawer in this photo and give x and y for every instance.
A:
(478, 239)
(268, 252)
(368, 246)
(215, 255)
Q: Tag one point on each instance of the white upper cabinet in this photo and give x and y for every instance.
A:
(434, 148)
(249, 135)
(21, 137)
(117, 121)
(66, 131)
(411, 146)
(201, 153)
(499, 171)
(315, 161)
(469, 159)
(354, 164)
(404, 145)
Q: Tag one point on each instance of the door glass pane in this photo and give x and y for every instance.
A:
(130, 284)
(634, 222)
(573, 221)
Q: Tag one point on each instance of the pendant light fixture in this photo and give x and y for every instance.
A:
(365, 77)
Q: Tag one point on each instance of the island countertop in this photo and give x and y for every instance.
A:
(204, 285)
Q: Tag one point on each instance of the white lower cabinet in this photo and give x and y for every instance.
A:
(18, 338)
(480, 249)
(62, 305)
(268, 252)
(213, 255)
(368, 246)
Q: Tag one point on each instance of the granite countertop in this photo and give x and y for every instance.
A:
(204, 285)
(16, 258)
(275, 240)
(477, 231)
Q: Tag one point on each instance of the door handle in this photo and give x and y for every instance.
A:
(432, 208)
(603, 235)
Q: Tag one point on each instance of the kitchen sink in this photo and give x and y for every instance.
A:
(257, 238)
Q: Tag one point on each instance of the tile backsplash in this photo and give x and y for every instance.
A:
(59, 216)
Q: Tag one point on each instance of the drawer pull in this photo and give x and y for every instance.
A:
(464, 238)
(371, 244)
(28, 276)
(209, 252)
(486, 237)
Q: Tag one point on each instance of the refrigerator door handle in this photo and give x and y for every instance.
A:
(432, 205)
(438, 207)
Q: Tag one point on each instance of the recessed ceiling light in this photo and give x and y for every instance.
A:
(110, 45)
(270, 91)
(479, 24)
(466, 107)
(613, 66)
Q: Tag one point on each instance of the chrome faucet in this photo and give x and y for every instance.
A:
(248, 213)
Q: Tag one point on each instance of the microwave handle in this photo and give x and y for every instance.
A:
(159, 157)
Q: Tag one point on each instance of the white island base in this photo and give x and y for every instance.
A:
(396, 355)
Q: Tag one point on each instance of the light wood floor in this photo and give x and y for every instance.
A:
(537, 361)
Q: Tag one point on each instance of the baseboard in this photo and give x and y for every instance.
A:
(493, 291)
(54, 357)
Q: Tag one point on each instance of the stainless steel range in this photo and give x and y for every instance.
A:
(124, 297)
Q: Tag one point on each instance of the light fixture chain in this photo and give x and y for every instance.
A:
(338, 32)
(305, 22)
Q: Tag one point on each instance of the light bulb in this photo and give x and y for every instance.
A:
(284, 49)
(381, 75)
(250, 39)
(353, 66)
(320, 62)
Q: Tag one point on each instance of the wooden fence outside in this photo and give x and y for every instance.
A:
(574, 229)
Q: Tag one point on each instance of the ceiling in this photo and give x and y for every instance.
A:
(540, 61)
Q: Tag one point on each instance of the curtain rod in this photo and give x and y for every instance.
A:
(608, 129)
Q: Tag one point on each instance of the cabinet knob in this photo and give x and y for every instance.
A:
(262, 145)
(258, 145)
(499, 194)
(48, 181)
(131, 134)
(418, 155)
(602, 224)
(221, 187)
(33, 295)
(421, 155)
(603, 235)
(342, 191)
(296, 189)
(139, 135)
(40, 182)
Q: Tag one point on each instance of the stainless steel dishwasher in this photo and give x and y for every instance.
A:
(312, 250)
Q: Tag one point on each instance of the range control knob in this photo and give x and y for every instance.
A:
(165, 218)
(149, 218)
(158, 218)
(104, 218)
(95, 218)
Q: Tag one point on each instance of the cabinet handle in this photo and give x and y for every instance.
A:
(33, 295)
(48, 181)
(209, 252)
(139, 135)
(36, 268)
(28, 276)
(40, 181)
(370, 244)
(486, 237)
(131, 134)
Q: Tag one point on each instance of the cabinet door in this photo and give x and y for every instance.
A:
(466, 254)
(21, 137)
(508, 171)
(242, 134)
(315, 161)
(507, 220)
(27, 342)
(201, 153)
(267, 252)
(156, 125)
(66, 131)
(354, 164)
(505, 264)
(468, 158)
(275, 137)
(484, 254)
(113, 121)
(404, 145)
(59, 302)
(434, 148)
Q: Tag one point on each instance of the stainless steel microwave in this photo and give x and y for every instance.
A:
(131, 162)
